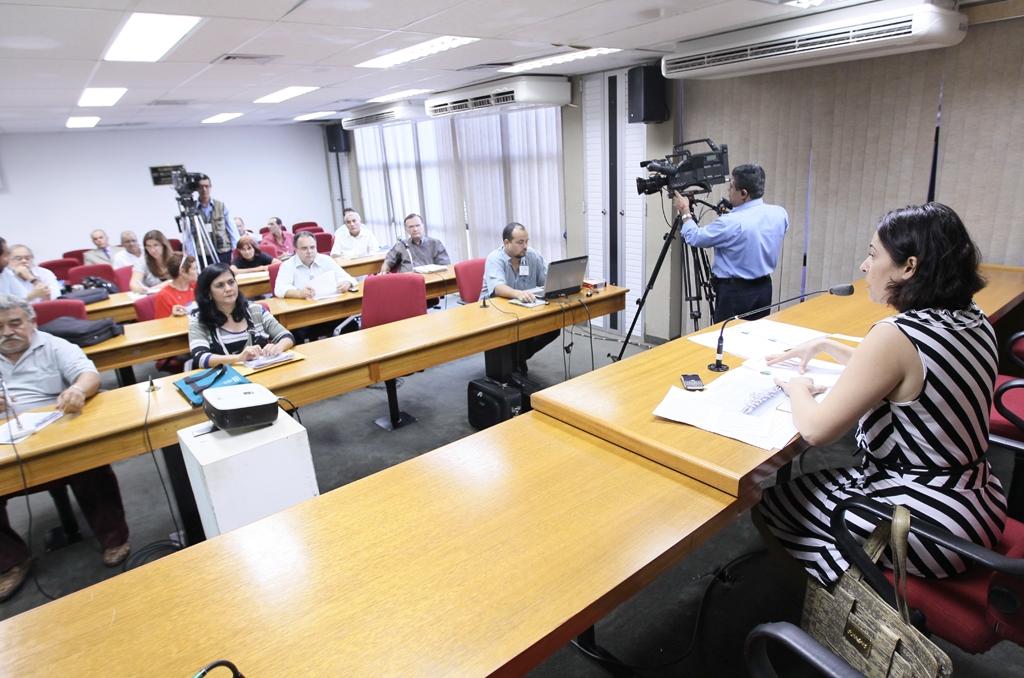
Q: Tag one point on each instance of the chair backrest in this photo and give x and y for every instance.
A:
(175, 244)
(272, 272)
(60, 267)
(79, 273)
(305, 226)
(123, 278)
(324, 242)
(77, 255)
(59, 308)
(268, 249)
(387, 298)
(145, 307)
(265, 230)
(469, 277)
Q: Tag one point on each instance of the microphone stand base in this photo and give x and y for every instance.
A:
(718, 367)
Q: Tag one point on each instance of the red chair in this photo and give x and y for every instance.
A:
(123, 278)
(305, 226)
(387, 298)
(272, 272)
(268, 249)
(145, 308)
(324, 242)
(265, 230)
(973, 610)
(175, 244)
(77, 255)
(59, 308)
(79, 273)
(469, 277)
(1006, 423)
(60, 267)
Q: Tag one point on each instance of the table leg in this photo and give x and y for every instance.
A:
(182, 488)
(67, 532)
(500, 362)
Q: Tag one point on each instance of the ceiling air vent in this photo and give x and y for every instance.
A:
(382, 113)
(524, 90)
(246, 58)
(171, 102)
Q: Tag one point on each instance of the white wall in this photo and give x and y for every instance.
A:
(57, 187)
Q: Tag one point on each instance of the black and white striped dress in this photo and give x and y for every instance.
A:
(927, 454)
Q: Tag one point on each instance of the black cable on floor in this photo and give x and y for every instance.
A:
(28, 507)
(720, 574)
(295, 410)
(590, 331)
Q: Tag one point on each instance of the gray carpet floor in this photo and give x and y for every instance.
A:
(653, 628)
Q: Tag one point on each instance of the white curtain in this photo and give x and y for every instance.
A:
(373, 184)
(443, 208)
(534, 153)
(478, 139)
(403, 175)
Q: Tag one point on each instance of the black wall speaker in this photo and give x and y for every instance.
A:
(647, 94)
(337, 139)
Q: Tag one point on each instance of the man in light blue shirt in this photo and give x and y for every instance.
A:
(510, 272)
(747, 242)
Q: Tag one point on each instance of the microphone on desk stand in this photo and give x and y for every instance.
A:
(719, 366)
(8, 405)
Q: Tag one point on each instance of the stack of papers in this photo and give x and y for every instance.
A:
(758, 338)
(257, 363)
(325, 286)
(429, 268)
(16, 430)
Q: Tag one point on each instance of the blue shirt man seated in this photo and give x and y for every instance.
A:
(41, 370)
(747, 242)
(510, 272)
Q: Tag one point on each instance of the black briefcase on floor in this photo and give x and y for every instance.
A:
(491, 402)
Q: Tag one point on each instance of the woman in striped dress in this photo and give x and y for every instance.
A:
(921, 385)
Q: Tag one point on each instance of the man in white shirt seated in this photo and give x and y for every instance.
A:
(355, 241)
(23, 278)
(131, 252)
(295, 275)
(104, 253)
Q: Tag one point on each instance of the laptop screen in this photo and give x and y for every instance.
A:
(565, 277)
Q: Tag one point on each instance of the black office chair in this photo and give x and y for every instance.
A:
(800, 643)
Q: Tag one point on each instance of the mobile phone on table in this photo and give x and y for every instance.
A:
(692, 382)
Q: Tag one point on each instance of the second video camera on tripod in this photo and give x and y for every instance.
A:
(186, 184)
(685, 171)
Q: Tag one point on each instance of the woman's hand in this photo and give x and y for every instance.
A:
(803, 352)
(802, 384)
(178, 310)
(271, 350)
(250, 353)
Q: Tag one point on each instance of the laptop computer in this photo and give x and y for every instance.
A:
(565, 276)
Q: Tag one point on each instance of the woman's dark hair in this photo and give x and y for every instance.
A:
(251, 242)
(208, 312)
(179, 263)
(157, 268)
(947, 259)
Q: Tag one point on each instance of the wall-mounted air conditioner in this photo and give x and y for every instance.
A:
(525, 90)
(858, 32)
(382, 113)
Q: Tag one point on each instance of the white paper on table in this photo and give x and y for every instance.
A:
(242, 276)
(324, 285)
(718, 409)
(30, 422)
(821, 372)
(759, 338)
(263, 361)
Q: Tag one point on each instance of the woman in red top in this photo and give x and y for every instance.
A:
(181, 290)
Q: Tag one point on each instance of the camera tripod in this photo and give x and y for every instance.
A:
(195, 231)
(696, 275)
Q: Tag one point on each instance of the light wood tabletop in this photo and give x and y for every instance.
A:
(166, 337)
(111, 427)
(481, 557)
(120, 306)
(617, 402)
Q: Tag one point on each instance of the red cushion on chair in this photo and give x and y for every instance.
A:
(387, 298)
(77, 255)
(145, 307)
(60, 267)
(272, 272)
(305, 226)
(469, 277)
(268, 249)
(324, 242)
(1014, 400)
(957, 609)
(123, 278)
(79, 273)
(58, 308)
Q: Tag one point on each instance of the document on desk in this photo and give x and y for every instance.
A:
(26, 424)
(759, 338)
(324, 286)
(250, 366)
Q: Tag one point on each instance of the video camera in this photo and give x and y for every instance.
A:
(185, 183)
(686, 172)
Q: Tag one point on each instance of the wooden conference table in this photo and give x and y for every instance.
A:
(111, 427)
(481, 557)
(165, 337)
(616, 402)
(120, 306)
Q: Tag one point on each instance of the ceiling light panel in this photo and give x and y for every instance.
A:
(314, 116)
(559, 59)
(148, 37)
(285, 94)
(417, 52)
(220, 117)
(81, 121)
(101, 96)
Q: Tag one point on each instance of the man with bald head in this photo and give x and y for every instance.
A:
(131, 251)
(104, 253)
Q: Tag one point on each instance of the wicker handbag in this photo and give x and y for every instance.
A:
(859, 626)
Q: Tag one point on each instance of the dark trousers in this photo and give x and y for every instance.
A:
(224, 257)
(735, 296)
(527, 348)
(98, 496)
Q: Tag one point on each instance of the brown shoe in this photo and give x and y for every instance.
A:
(115, 555)
(12, 579)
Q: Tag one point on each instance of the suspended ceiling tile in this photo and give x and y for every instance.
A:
(306, 44)
(499, 18)
(266, 10)
(213, 38)
(40, 98)
(371, 13)
(43, 73)
(55, 33)
(134, 75)
(484, 52)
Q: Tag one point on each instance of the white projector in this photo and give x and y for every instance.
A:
(240, 406)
